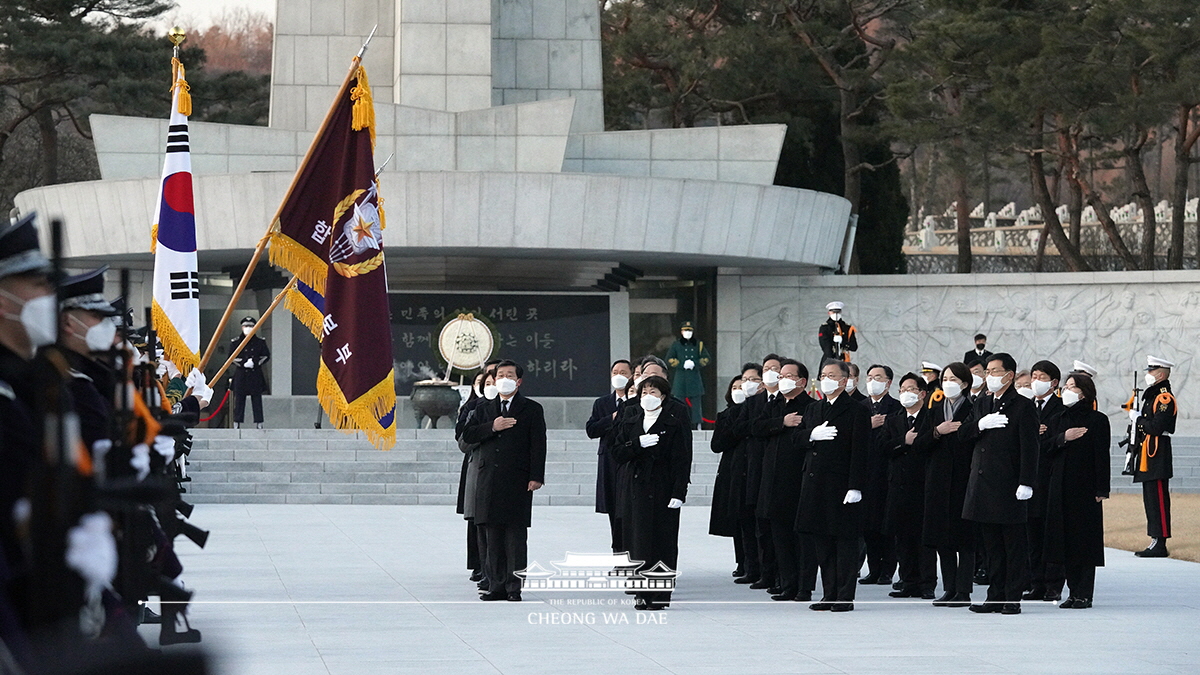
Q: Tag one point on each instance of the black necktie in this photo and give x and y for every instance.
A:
(1040, 404)
(504, 409)
(912, 421)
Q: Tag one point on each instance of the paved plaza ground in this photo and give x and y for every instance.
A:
(299, 590)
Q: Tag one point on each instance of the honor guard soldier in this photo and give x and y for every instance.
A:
(86, 329)
(1081, 367)
(686, 357)
(932, 373)
(1152, 465)
(248, 377)
(838, 338)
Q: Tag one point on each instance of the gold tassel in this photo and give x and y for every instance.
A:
(363, 114)
(362, 413)
(154, 239)
(305, 313)
(289, 254)
(185, 97)
(174, 348)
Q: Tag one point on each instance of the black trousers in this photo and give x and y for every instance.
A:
(838, 560)
(614, 527)
(1043, 575)
(881, 554)
(918, 563)
(239, 407)
(809, 561)
(1156, 497)
(653, 537)
(958, 569)
(751, 559)
(474, 562)
(766, 550)
(739, 553)
(1007, 549)
(1081, 579)
(506, 553)
(787, 555)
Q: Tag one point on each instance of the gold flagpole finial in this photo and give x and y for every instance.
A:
(176, 36)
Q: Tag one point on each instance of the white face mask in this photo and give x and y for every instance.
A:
(1041, 387)
(638, 380)
(750, 388)
(952, 389)
(908, 398)
(506, 386)
(828, 386)
(650, 402)
(1150, 379)
(738, 396)
(687, 335)
(99, 338)
(786, 385)
(851, 384)
(976, 381)
(995, 383)
(619, 381)
(836, 316)
(39, 316)
(1027, 392)
(876, 388)
(246, 330)
(490, 392)
(1069, 398)
(770, 377)
(478, 390)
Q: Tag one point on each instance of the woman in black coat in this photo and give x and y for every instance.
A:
(950, 444)
(466, 488)
(654, 444)
(722, 520)
(1079, 483)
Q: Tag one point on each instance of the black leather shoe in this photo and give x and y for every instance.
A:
(898, 586)
(902, 594)
(959, 600)
(1069, 603)
(985, 608)
(1083, 603)
(739, 572)
(884, 581)
(1035, 594)
(499, 595)
(1051, 596)
(774, 590)
(927, 595)
(514, 597)
(476, 576)
(761, 584)
(803, 596)
(784, 596)
(1156, 549)
(842, 607)
(869, 580)
(745, 580)
(821, 606)
(483, 585)
(944, 600)
(1011, 608)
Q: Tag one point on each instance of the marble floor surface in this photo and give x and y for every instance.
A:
(302, 589)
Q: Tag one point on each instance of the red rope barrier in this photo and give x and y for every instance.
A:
(219, 406)
(688, 401)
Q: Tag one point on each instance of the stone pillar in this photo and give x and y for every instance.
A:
(729, 326)
(618, 326)
(443, 54)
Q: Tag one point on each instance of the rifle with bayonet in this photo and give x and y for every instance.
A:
(1130, 441)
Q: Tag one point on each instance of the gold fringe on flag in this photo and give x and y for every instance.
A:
(303, 310)
(154, 238)
(290, 255)
(185, 97)
(173, 346)
(363, 116)
(362, 413)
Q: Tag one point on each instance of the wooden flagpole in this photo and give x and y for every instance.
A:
(262, 243)
(254, 331)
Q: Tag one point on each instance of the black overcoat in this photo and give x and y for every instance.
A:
(1004, 459)
(1048, 415)
(906, 475)
(947, 472)
(250, 380)
(508, 461)
(783, 463)
(600, 426)
(1074, 519)
(754, 447)
(831, 468)
(875, 483)
(722, 518)
(464, 413)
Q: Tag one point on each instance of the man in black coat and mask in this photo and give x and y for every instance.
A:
(1003, 473)
(248, 377)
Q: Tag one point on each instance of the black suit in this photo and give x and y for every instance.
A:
(831, 469)
(1044, 575)
(654, 476)
(1004, 459)
(756, 407)
(881, 550)
(509, 460)
(947, 473)
(779, 493)
(972, 354)
(249, 381)
(906, 502)
(600, 425)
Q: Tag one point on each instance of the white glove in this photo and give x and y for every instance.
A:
(674, 503)
(1134, 415)
(161, 369)
(92, 551)
(1024, 492)
(823, 433)
(648, 440)
(248, 363)
(993, 421)
(140, 460)
(165, 446)
(195, 377)
(837, 339)
(852, 497)
(689, 364)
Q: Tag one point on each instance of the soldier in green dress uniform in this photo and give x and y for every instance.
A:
(686, 357)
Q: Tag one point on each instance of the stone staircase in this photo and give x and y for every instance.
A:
(325, 466)
(311, 466)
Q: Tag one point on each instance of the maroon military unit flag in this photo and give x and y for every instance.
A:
(330, 235)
